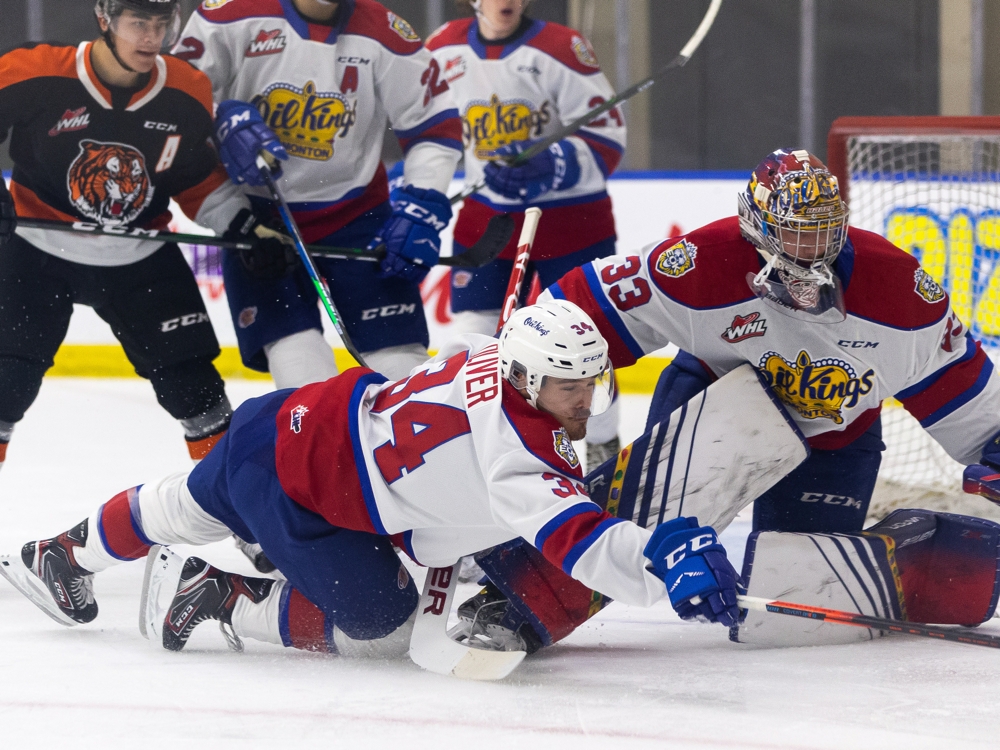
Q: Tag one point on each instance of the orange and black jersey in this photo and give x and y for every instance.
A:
(84, 151)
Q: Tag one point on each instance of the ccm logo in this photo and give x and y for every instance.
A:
(388, 311)
(440, 580)
(819, 497)
(699, 542)
(165, 127)
(184, 320)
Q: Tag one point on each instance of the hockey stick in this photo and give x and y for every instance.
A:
(839, 617)
(485, 251)
(687, 51)
(430, 645)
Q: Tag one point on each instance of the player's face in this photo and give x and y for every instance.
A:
(805, 247)
(139, 38)
(501, 17)
(568, 401)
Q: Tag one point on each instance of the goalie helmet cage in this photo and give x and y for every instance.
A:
(931, 185)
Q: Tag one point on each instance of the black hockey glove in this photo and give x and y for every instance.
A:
(272, 256)
(8, 218)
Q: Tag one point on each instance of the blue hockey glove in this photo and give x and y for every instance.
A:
(991, 452)
(556, 168)
(701, 582)
(411, 235)
(240, 135)
(8, 217)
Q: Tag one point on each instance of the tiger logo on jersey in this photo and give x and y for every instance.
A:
(677, 259)
(492, 124)
(928, 289)
(306, 120)
(108, 183)
(819, 389)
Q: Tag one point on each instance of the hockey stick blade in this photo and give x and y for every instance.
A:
(433, 649)
(839, 617)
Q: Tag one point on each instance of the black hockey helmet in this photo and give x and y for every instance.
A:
(111, 10)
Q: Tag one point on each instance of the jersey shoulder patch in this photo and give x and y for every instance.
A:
(227, 11)
(183, 76)
(706, 268)
(452, 33)
(373, 20)
(37, 61)
(889, 287)
(540, 433)
(567, 46)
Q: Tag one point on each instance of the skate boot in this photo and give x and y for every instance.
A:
(255, 555)
(598, 453)
(207, 593)
(47, 574)
(488, 621)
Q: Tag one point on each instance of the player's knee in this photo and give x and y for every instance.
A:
(20, 380)
(390, 646)
(189, 389)
(301, 358)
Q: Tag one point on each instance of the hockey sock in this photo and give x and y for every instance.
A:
(116, 534)
(6, 430)
(302, 624)
(260, 620)
(203, 431)
(299, 359)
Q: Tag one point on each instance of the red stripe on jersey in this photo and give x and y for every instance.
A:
(577, 528)
(30, 206)
(883, 286)
(306, 624)
(42, 60)
(453, 32)
(537, 430)
(314, 453)
(190, 200)
(183, 76)
(607, 157)
(117, 531)
(567, 46)
(230, 11)
(575, 288)
(315, 225)
(955, 381)
(565, 230)
(449, 129)
(371, 19)
(834, 440)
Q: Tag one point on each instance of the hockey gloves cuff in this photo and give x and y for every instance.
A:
(8, 217)
(272, 254)
(556, 168)
(240, 135)
(984, 479)
(411, 235)
(700, 580)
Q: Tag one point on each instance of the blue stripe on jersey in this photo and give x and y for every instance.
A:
(430, 122)
(301, 26)
(609, 311)
(472, 39)
(360, 459)
(507, 207)
(882, 323)
(923, 385)
(586, 543)
(963, 398)
(555, 522)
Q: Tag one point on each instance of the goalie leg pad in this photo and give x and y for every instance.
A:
(949, 565)
(849, 572)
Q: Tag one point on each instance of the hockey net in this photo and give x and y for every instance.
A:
(931, 185)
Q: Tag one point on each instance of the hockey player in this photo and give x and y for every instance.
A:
(516, 80)
(108, 132)
(473, 449)
(324, 79)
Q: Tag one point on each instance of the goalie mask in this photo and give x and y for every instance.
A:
(793, 214)
(150, 22)
(555, 353)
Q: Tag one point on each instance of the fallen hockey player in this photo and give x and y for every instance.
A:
(472, 450)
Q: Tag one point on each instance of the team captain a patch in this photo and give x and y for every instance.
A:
(564, 447)
(677, 260)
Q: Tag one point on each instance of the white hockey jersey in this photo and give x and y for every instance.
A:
(450, 461)
(328, 93)
(900, 337)
(544, 79)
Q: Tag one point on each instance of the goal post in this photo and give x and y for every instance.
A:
(931, 185)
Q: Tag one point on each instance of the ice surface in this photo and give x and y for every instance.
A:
(629, 678)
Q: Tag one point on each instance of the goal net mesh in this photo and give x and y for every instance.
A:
(936, 196)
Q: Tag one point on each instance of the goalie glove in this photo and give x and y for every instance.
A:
(700, 580)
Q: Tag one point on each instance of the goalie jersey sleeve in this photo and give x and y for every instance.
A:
(450, 461)
(328, 93)
(900, 338)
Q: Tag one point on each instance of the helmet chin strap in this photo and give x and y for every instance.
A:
(109, 40)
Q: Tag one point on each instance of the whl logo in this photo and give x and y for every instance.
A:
(266, 43)
(72, 119)
(745, 328)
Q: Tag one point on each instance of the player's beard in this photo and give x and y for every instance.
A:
(575, 428)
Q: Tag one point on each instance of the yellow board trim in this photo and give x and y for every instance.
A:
(109, 361)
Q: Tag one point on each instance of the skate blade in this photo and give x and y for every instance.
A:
(34, 589)
(159, 584)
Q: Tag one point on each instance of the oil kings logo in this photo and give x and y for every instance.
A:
(743, 328)
(306, 120)
(928, 289)
(816, 390)
(267, 43)
(584, 53)
(564, 447)
(677, 259)
(492, 124)
(402, 28)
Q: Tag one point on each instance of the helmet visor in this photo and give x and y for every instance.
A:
(147, 31)
(579, 398)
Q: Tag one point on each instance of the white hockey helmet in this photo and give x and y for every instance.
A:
(555, 339)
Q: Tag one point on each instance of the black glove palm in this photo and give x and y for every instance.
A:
(269, 257)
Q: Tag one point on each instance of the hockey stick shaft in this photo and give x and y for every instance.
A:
(320, 285)
(518, 272)
(473, 258)
(686, 53)
(839, 617)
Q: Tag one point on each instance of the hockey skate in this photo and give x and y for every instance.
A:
(255, 555)
(47, 574)
(488, 621)
(178, 596)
